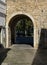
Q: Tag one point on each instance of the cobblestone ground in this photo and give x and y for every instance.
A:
(25, 55)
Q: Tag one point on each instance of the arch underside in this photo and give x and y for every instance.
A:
(13, 22)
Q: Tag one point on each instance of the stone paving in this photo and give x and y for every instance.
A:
(25, 55)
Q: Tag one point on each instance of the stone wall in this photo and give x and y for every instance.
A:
(35, 8)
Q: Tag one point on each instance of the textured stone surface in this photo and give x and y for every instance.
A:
(35, 8)
(25, 55)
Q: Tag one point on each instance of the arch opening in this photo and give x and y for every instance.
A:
(22, 30)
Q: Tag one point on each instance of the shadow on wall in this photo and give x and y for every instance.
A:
(3, 53)
(43, 39)
(41, 53)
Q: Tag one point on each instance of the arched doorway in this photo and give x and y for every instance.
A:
(22, 30)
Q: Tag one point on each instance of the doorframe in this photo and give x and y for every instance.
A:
(1, 39)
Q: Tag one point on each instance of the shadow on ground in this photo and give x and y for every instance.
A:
(3, 53)
(40, 57)
(41, 54)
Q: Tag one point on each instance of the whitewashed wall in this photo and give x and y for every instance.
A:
(2, 20)
(2, 13)
(3, 7)
(3, 0)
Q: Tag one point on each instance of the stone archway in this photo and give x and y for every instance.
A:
(8, 30)
(22, 30)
